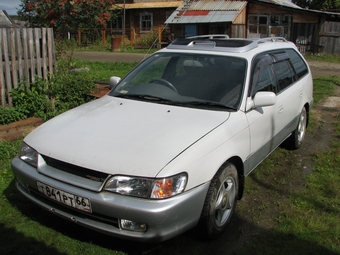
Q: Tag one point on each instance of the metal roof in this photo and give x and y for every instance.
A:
(148, 5)
(285, 3)
(206, 11)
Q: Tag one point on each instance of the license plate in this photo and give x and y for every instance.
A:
(78, 202)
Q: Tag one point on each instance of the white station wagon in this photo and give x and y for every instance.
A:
(169, 147)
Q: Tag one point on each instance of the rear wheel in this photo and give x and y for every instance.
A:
(220, 202)
(295, 140)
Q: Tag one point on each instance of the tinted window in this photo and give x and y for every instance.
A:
(298, 64)
(265, 81)
(263, 78)
(284, 74)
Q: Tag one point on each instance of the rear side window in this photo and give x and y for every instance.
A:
(284, 75)
(298, 64)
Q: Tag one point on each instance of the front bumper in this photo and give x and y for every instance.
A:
(164, 218)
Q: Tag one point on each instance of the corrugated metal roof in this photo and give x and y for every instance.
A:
(217, 5)
(149, 5)
(206, 11)
(285, 3)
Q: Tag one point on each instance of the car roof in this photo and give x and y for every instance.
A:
(224, 44)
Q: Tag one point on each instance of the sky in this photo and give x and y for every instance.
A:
(10, 6)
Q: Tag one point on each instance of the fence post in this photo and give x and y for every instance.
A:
(159, 34)
(79, 37)
(104, 36)
(132, 35)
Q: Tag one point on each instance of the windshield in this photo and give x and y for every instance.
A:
(192, 80)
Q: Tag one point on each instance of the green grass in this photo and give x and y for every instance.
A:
(324, 57)
(307, 219)
(71, 45)
(323, 86)
(313, 213)
(101, 71)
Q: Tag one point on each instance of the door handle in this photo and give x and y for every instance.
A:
(280, 110)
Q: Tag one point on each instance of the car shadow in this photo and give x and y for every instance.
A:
(242, 237)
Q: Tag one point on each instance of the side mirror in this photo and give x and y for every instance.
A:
(261, 99)
(114, 80)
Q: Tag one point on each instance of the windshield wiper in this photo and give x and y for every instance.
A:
(210, 104)
(141, 97)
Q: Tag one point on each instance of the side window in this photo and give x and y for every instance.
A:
(263, 78)
(298, 64)
(284, 75)
(265, 81)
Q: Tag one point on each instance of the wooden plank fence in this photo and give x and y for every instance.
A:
(25, 53)
(330, 37)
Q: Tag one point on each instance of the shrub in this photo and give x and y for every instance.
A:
(63, 90)
(146, 41)
(11, 114)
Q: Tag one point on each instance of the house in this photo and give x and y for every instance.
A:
(137, 17)
(310, 29)
(253, 19)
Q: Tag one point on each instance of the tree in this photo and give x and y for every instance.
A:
(318, 4)
(61, 14)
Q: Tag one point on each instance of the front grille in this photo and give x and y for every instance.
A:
(76, 170)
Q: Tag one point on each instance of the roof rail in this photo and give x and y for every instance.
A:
(221, 42)
(271, 39)
(214, 36)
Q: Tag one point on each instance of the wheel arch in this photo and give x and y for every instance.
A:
(238, 163)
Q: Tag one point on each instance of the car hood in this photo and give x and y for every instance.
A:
(121, 136)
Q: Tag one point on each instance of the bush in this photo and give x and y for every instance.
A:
(146, 41)
(11, 114)
(45, 99)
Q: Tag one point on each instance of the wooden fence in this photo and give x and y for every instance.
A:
(89, 36)
(330, 37)
(25, 53)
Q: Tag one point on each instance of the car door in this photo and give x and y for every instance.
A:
(289, 96)
(261, 120)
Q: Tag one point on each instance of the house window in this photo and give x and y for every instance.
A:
(268, 25)
(146, 22)
(257, 25)
(116, 24)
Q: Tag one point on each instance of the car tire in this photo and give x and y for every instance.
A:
(295, 140)
(220, 201)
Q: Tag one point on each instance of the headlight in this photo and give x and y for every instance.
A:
(28, 155)
(147, 188)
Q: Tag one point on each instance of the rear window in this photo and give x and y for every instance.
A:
(284, 74)
(298, 63)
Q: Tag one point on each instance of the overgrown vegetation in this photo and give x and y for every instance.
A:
(47, 98)
(146, 41)
(67, 88)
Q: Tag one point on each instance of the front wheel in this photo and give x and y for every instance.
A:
(220, 202)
